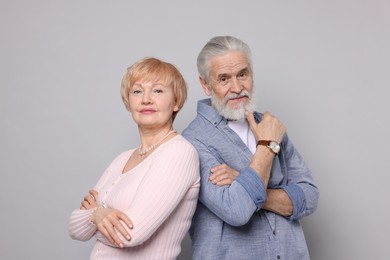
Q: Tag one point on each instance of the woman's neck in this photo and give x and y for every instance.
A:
(150, 139)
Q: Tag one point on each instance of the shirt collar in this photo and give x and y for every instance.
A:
(207, 111)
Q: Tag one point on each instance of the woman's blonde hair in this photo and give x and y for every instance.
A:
(153, 70)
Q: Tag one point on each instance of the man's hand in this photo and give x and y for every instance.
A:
(108, 221)
(223, 175)
(90, 201)
(270, 128)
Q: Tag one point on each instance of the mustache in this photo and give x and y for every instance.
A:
(243, 93)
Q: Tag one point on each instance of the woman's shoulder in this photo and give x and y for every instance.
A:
(180, 140)
(179, 144)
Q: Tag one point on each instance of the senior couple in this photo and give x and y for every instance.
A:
(233, 179)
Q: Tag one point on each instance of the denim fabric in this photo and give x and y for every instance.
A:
(229, 222)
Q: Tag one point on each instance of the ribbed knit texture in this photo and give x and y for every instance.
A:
(159, 195)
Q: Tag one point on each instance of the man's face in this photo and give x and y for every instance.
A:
(231, 85)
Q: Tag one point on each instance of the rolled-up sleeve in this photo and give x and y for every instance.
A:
(252, 183)
(300, 187)
(235, 203)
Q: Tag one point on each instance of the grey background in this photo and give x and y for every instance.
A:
(322, 67)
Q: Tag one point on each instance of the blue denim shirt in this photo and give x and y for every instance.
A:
(229, 222)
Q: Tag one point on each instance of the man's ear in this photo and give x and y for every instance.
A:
(205, 86)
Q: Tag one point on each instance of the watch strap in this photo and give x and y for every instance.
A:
(266, 143)
(263, 142)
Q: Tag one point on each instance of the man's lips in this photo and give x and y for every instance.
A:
(235, 99)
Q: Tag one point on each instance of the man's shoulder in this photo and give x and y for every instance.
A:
(194, 127)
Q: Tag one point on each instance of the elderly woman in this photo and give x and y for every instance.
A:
(141, 208)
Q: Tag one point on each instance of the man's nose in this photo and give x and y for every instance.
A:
(236, 85)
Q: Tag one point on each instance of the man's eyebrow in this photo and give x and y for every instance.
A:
(223, 75)
(243, 70)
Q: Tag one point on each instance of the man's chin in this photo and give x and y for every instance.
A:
(236, 108)
(233, 114)
(233, 109)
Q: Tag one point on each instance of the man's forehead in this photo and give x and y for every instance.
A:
(231, 62)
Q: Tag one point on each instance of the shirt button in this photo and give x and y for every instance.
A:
(274, 232)
(278, 257)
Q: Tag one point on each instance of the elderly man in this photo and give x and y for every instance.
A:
(255, 186)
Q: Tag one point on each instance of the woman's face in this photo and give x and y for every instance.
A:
(152, 104)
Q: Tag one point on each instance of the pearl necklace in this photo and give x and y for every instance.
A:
(143, 151)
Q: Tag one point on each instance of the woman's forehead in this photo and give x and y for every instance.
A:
(149, 84)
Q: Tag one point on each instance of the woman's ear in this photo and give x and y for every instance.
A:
(205, 86)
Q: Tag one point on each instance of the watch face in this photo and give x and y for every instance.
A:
(275, 147)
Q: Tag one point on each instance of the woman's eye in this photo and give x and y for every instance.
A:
(136, 91)
(158, 91)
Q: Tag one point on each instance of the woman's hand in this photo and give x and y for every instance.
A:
(108, 221)
(90, 201)
(223, 175)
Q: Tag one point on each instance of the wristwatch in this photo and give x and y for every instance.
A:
(272, 145)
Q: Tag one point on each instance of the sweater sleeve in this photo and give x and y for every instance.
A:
(80, 227)
(173, 171)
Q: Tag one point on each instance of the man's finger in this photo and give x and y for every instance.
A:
(251, 120)
(226, 181)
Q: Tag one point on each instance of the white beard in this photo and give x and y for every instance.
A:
(236, 113)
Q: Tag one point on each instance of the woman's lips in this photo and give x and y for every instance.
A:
(147, 111)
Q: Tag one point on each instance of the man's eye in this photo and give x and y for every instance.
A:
(243, 75)
(224, 80)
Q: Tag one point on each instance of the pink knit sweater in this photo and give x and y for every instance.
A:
(159, 195)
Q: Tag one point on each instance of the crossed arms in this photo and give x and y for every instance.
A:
(235, 196)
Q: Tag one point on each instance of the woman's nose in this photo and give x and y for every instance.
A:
(146, 98)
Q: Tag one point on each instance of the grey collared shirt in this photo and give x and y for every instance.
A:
(229, 222)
